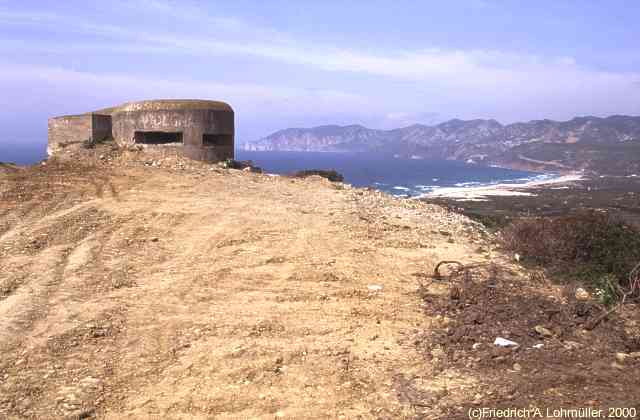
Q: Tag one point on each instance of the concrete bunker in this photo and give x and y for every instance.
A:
(70, 131)
(219, 140)
(200, 129)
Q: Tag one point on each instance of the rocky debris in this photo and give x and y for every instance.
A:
(582, 295)
(375, 287)
(77, 401)
(572, 345)
(616, 365)
(627, 358)
(514, 315)
(542, 331)
(503, 342)
(621, 357)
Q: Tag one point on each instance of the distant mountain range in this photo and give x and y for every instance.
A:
(601, 145)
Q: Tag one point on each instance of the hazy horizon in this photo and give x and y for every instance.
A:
(287, 64)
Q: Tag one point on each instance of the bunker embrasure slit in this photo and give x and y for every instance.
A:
(158, 137)
(217, 140)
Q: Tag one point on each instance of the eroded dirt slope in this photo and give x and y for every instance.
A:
(177, 291)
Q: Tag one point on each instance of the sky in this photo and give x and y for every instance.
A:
(302, 63)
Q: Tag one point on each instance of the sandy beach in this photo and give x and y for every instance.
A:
(482, 192)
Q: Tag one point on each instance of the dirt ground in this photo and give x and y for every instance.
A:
(133, 287)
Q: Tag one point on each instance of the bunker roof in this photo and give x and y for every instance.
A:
(169, 105)
(157, 105)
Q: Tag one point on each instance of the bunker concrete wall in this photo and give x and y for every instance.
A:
(192, 123)
(68, 131)
(192, 118)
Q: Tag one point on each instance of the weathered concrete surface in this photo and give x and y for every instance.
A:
(192, 118)
(66, 131)
(70, 131)
(204, 130)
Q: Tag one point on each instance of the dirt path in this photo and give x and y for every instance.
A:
(200, 293)
(141, 292)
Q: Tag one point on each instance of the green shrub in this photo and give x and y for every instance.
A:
(607, 289)
(329, 174)
(590, 246)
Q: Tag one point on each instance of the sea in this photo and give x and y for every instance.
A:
(397, 176)
(22, 153)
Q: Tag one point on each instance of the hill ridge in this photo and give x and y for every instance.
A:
(604, 145)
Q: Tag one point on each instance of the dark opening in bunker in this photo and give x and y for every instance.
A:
(217, 140)
(158, 137)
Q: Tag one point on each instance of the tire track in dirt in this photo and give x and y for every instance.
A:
(225, 294)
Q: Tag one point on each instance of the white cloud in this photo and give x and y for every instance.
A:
(252, 96)
(259, 108)
(475, 71)
(457, 83)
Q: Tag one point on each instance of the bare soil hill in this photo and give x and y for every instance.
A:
(137, 287)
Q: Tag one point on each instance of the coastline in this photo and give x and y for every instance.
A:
(484, 192)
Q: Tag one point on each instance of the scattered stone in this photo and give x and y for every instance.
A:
(583, 309)
(82, 414)
(154, 239)
(517, 367)
(622, 357)
(582, 295)
(542, 331)
(90, 382)
(572, 345)
(437, 353)
(617, 365)
(440, 393)
(503, 342)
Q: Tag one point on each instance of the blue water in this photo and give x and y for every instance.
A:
(22, 153)
(400, 177)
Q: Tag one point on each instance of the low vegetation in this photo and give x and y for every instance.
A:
(591, 247)
(331, 174)
(240, 164)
